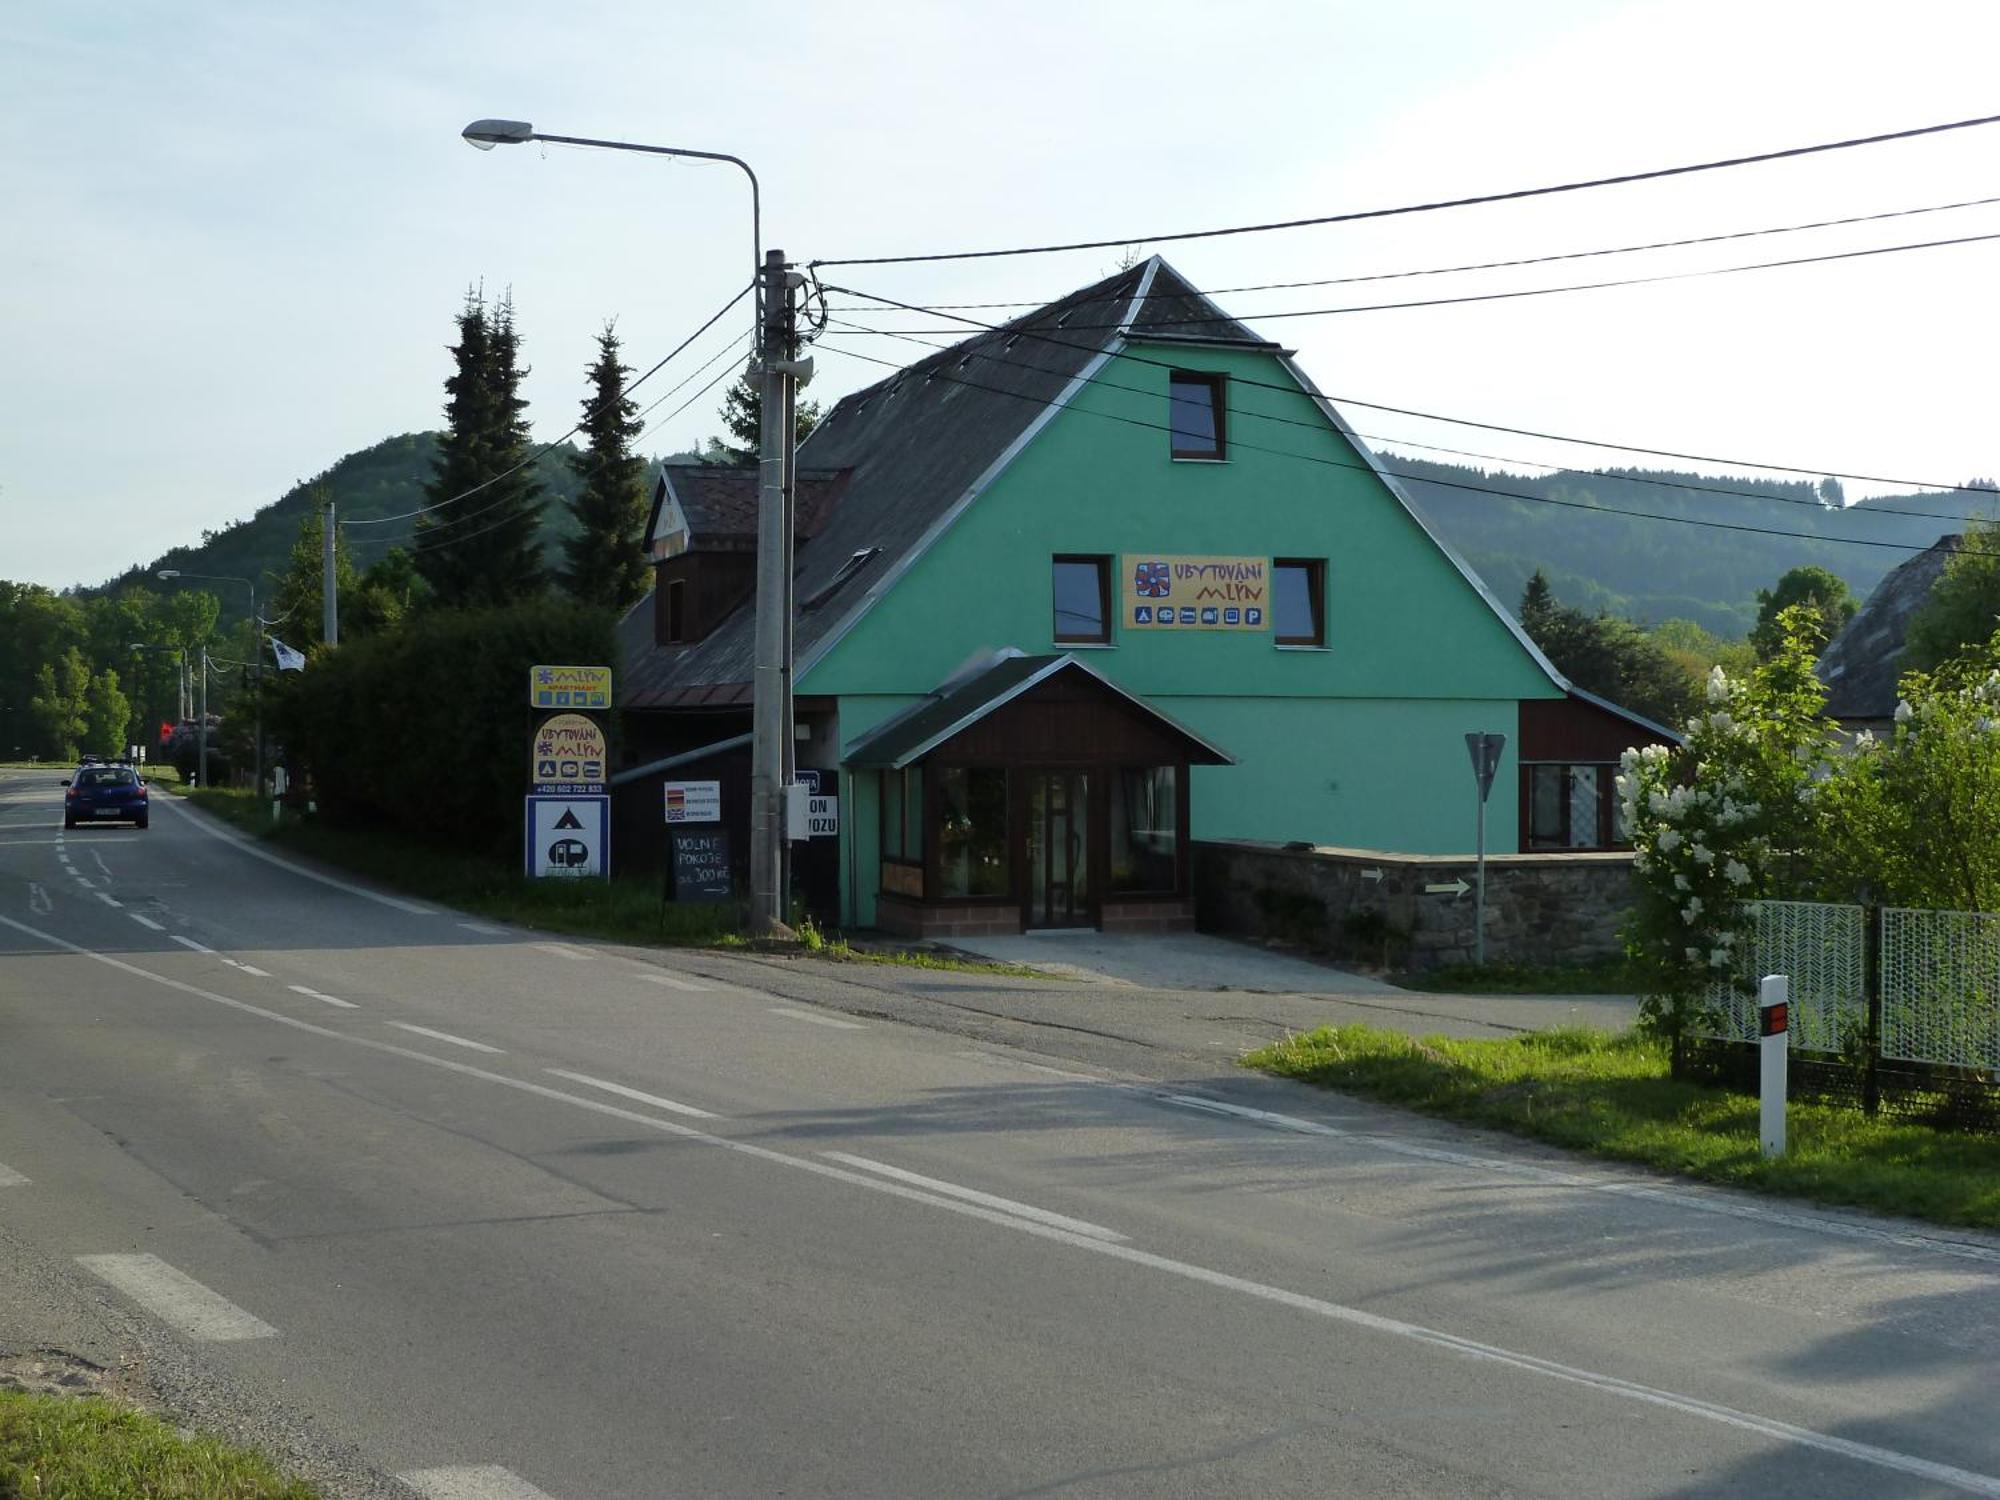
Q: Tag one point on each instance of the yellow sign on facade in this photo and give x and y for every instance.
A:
(569, 756)
(1163, 592)
(569, 687)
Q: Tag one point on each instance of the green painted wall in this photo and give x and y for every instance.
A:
(1414, 656)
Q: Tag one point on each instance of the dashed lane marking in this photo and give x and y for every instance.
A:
(10, 1178)
(986, 1200)
(444, 1036)
(299, 989)
(482, 929)
(806, 1015)
(177, 1299)
(472, 1482)
(674, 982)
(108, 899)
(188, 942)
(563, 950)
(145, 921)
(671, 1106)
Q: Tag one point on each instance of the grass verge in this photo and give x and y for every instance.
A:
(1609, 1094)
(626, 910)
(1607, 976)
(85, 1448)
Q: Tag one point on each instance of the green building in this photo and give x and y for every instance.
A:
(1084, 588)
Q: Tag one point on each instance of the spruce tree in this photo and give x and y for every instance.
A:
(743, 414)
(482, 548)
(607, 560)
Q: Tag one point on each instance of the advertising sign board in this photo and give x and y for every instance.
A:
(1161, 592)
(701, 865)
(569, 687)
(694, 801)
(568, 756)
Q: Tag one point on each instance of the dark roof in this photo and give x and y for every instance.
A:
(916, 447)
(720, 500)
(1862, 664)
(914, 733)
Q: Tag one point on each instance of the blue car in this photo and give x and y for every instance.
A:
(105, 794)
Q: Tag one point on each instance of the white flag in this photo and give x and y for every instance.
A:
(288, 659)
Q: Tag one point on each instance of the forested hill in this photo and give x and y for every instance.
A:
(1651, 570)
(385, 480)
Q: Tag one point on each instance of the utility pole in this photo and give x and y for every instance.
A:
(202, 732)
(769, 681)
(329, 598)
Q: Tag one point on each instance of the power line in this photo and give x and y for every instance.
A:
(1531, 260)
(548, 448)
(1421, 208)
(1265, 416)
(1550, 291)
(1018, 329)
(1380, 471)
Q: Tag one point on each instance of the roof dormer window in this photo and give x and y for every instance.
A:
(854, 564)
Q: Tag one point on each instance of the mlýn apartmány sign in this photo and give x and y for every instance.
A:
(1161, 592)
(569, 687)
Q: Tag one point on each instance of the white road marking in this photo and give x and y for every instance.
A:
(108, 899)
(299, 989)
(563, 950)
(188, 942)
(83, 880)
(1034, 1067)
(1624, 1188)
(674, 982)
(6, 843)
(472, 1482)
(244, 846)
(1866, 1453)
(176, 1298)
(38, 900)
(444, 1036)
(253, 969)
(10, 1178)
(973, 1195)
(482, 929)
(145, 921)
(100, 858)
(806, 1015)
(669, 1105)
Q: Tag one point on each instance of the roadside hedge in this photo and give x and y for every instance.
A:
(425, 728)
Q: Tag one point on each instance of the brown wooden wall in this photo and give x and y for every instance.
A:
(715, 583)
(1574, 731)
(1068, 721)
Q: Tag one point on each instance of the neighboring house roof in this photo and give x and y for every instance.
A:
(964, 701)
(921, 445)
(1862, 664)
(697, 505)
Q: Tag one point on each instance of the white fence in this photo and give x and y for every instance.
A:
(1937, 975)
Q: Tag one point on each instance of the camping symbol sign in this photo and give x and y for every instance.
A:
(568, 836)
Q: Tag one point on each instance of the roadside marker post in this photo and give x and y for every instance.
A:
(1774, 1007)
(1485, 751)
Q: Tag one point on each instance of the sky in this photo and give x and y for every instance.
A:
(235, 234)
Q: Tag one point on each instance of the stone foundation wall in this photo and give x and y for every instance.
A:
(1407, 910)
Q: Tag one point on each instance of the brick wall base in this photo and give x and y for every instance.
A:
(913, 919)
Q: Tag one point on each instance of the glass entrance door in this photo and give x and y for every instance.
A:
(1058, 849)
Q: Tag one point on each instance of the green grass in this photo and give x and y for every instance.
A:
(841, 951)
(85, 1448)
(1605, 976)
(1610, 1095)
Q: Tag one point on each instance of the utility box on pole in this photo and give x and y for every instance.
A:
(1485, 751)
(1774, 1028)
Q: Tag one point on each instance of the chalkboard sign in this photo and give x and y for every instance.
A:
(701, 865)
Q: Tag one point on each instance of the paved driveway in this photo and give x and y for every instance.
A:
(1199, 961)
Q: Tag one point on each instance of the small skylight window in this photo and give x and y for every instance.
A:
(854, 564)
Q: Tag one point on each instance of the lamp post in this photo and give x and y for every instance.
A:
(257, 622)
(771, 676)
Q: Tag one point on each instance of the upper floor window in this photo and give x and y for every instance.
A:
(1082, 587)
(1298, 600)
(676, 611)
(1197, 412)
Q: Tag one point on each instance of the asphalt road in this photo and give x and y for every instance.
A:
(512, 1216)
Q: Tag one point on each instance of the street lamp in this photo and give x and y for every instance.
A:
(257, 621)
(771, 748)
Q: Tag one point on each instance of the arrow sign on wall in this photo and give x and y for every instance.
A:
(1455, 888)
(1371, 874)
